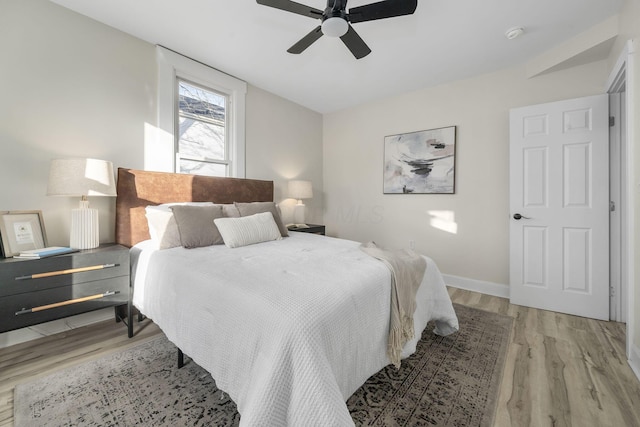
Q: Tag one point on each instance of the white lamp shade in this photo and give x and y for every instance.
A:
(81, 177)
(300, 189)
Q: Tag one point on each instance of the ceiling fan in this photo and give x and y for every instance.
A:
(336, 22)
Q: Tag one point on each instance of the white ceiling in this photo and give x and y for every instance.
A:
(444, 40)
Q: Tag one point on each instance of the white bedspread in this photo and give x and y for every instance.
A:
(290, 328)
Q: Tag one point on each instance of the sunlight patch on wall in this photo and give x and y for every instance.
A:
(444, 220)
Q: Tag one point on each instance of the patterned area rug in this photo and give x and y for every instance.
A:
(449, 381)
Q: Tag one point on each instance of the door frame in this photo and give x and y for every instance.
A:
(616, 83)
(617, 215)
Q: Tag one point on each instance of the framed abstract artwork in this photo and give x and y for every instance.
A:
(421, 162)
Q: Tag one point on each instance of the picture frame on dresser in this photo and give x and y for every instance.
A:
(21, 231)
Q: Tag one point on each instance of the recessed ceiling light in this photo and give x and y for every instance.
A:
(514, 32)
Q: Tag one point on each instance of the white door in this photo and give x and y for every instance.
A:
(559, 201)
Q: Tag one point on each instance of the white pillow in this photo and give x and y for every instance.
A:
(163, 228)
(248, 230)
(230, 211)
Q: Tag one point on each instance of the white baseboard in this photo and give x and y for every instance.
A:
(634, 361)
(489, 288)
(55, 326)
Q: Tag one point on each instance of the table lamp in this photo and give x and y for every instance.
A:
(300, 190)
(82, 178)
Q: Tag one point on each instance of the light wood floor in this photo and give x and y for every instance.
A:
(561, 370)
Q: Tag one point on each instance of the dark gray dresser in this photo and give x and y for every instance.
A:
(37, 291)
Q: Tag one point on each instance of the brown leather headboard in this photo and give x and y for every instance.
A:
(137, 189)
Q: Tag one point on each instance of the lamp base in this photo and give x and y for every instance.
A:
(85, 232)
(299, 213)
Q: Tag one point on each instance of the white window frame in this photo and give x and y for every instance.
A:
(172, 66)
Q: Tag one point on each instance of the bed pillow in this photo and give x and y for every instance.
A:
(247, 230)
(162, 225)
(230, 210)
(247, 209)
(196, 226)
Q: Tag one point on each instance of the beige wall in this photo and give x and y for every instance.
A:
(70, 86)
(474, 241)
(284, 141)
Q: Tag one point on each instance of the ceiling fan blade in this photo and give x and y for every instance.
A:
(355, 44)
(306, 41)
(292, 7)
(382, 9)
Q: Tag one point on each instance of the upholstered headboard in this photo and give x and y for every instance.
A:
(137, 189)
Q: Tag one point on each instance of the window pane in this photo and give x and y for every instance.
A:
(202, 168)
(200, 139)
(204, 104)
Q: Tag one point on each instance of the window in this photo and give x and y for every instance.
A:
(201, 137)
(201, 119)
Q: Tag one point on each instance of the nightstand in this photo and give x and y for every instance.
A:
(40, 290)
(313, 228)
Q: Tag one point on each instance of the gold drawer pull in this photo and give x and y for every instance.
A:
(67, 302)
(70, 271)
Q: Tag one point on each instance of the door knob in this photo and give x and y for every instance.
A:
(518, 216)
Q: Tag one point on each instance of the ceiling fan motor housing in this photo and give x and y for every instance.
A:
(336, 8)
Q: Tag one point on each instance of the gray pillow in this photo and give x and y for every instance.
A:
(163, 229)
(248, 209)
(196, 226)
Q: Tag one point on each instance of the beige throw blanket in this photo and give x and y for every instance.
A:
(407, 270)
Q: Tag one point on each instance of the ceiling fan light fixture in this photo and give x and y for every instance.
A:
(335, 27)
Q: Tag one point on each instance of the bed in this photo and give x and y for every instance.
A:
(289, 328)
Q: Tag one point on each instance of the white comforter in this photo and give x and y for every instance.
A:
(290, 328)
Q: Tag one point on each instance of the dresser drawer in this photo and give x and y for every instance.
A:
(21, 276)
(11, 306)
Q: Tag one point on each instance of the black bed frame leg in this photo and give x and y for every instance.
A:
(130, 318)
(180, 359)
